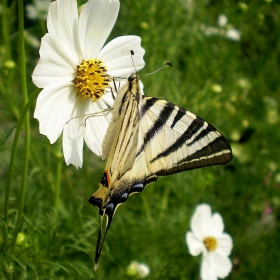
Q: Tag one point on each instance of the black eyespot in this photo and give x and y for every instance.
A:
(137, 188)
(104, 180)
(110, 208)
(123, 197)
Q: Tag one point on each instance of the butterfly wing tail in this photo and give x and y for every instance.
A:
(101, 239)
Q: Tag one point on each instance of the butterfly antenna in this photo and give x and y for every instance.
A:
(132, 54)
(165, 64)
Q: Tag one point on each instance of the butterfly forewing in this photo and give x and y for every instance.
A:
(178, 140)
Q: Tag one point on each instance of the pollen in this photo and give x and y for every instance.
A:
(210, 243)
(92, 79)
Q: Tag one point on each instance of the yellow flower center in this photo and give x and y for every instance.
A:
(210, 243)
(92, 79)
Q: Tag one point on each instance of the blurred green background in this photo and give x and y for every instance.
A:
(225, 72)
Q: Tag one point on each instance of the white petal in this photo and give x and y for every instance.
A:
(117, 57)
(95, 24)
(195, 245)
(233, 34)
(96, 126)
(53, 108)
(55, 52)
(62, 22)
(73, 134)
(221, 264)
(207, 270)
(143, 270)
(200, 222)
(54, 65)
(216, 225)
(108, 100)
(72, 143)
(224, 244)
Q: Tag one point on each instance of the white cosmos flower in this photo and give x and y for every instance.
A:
(76, 73)
(207, 237)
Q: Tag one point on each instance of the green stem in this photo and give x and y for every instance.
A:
(7, 79)
(26, 121)
(13, 155)
(58, 177)
(23, 119)
(5, 29)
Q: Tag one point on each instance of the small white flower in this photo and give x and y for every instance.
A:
(222, 20)
(207, 237)
(76, 73)
(38, 10)
(224, 29)
(233, 34)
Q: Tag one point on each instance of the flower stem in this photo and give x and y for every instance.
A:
(7, 79)
(12, 159)
(26, 121)
(58, 177)
(13, 154)
(5, 29)
(23, 119)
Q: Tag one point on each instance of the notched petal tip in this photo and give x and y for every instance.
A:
(117, 55)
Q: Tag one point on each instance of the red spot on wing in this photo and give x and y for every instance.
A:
(108, 177)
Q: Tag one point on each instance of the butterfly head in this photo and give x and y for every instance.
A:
(133, 78)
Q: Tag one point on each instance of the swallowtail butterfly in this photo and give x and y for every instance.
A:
(149, 137)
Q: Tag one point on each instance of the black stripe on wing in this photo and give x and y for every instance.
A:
(180, 114)
(158, 124)
(218, 151)
(147, 104)
(196, 125)
(123, 102)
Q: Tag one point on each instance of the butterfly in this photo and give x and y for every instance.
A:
(146, 138)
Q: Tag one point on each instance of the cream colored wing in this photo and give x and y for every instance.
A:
(173, 140)
(150, 137)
